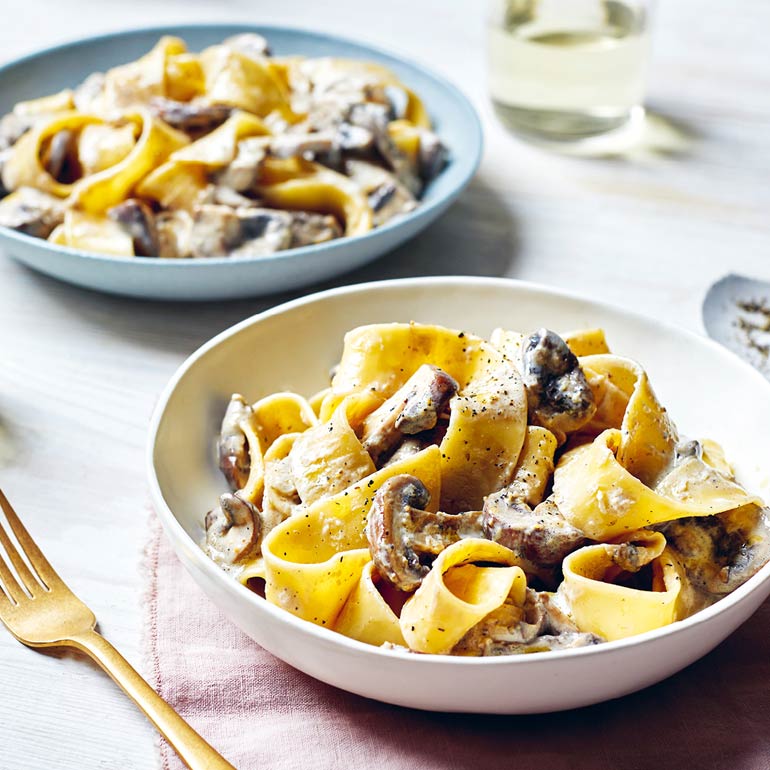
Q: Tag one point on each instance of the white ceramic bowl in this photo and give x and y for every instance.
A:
(64, 66)
(709, 391)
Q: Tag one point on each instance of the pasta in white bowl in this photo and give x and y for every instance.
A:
(412, 505)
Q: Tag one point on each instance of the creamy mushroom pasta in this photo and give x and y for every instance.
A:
(228, 152)
(453, 495)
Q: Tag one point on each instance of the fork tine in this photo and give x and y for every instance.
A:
(10, 585)
(22, 570)
(44, 570)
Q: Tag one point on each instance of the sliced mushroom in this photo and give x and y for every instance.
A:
(138, 220)
(538, 626)
(558, 393)
(226, 196)
(233, 530)
(685, 449)
(32, 212)
(192, 117)
(249, 43)
(242, 173)
(300, 145)
(415, 407)
(388, 198)
(352, 138)
(232, 446)
(220, 231)
(432, 155)
(721, 552)
(60, 156)
(281, 498)
(403, 536)
(541, 538)
(264, 231)
(408, 447)
(374, 118)
(308, 228)
(174, 229)
(398, 99)
(12, 128)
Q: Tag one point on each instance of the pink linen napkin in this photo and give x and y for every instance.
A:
(260, 713)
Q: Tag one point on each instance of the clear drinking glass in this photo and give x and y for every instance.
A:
(567, 70)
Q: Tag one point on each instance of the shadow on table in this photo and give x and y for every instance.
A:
(658, 135)
(476, 236)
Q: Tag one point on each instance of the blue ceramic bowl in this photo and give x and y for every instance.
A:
(66, 65)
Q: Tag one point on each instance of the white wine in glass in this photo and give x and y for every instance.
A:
(568, 69)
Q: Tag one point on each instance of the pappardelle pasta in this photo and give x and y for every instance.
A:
(449, 494)
(229, 152)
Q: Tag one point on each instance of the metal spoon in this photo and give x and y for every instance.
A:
(736, 313)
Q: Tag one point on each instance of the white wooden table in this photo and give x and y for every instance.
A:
(80, 372)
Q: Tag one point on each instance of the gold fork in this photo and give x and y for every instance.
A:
(41, 611)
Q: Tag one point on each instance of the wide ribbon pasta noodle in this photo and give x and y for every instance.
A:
(301, 184)
(315, 558)
(24, 167)
(366, 615)
(614, 611)
(488, 416)
(596, 494)
(270, 418)
(458, 593)
(98, 192)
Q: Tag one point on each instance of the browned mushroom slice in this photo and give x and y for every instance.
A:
(264, 231)
(138, 220)
(226, 196)
(215, 231)
(174, 229)
(354, 138)
(415, 407)
(59, 157)
(31, 211)
(374, 118)
(541, 538)
(538, 626)
(398, 100)
(308, 228)
(192, 117)
(408, 447)
(558, 393)
(432, 156)
(721, 552)
(403, 536)
(302, 145)
(388, 198)
(249, 43)
(242, 173)
(232, 446)
(12, 128)
(221, 231)
(233, 530)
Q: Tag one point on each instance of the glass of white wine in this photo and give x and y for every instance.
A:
(568, 70)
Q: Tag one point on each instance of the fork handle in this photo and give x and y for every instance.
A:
(192, 749)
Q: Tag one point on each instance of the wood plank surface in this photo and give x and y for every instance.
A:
(80, 372)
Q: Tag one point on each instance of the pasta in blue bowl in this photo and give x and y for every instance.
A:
(255, 160)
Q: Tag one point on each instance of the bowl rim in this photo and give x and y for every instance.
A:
(178, 536)
(467, 163)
